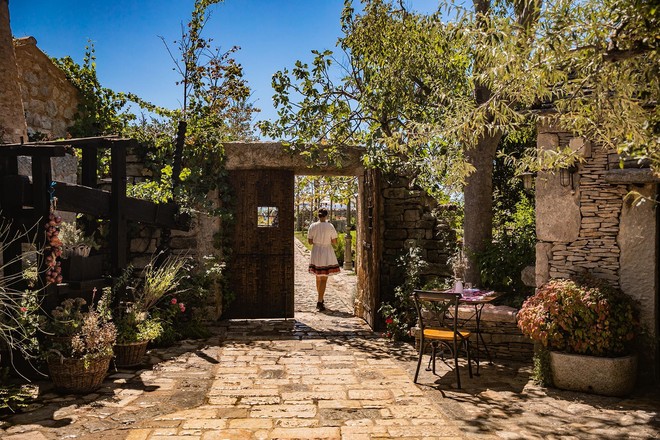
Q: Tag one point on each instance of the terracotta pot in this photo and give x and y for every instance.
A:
(592, 374)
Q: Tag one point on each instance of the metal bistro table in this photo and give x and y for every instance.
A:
(478, 299)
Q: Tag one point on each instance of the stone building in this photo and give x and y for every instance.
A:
(588, 220)
(49, 100)
(35, 97)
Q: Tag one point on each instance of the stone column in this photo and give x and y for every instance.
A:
(12, 116)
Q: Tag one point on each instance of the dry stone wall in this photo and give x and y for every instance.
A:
(578, 225)
(412, 219)
(499, 332)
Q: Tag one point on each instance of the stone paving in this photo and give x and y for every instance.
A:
(322, 375)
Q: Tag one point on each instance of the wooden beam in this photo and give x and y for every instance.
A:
(89, 175)
(33, 150)
(631, 176)
(118, 221)
(77, 198)
(41, 185)
(76, 142)
(164, 215)
(81, 143)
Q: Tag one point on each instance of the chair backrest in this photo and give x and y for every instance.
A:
(443, 305)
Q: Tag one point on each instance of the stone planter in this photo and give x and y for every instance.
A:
(591, 374)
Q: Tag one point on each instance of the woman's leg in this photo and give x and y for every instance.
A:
(321, 282)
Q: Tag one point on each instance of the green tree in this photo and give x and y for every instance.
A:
(407, 74)
(215, 109)
(440, 95)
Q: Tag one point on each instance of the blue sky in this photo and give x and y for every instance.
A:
(272, 34)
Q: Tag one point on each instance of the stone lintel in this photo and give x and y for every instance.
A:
(274, 155)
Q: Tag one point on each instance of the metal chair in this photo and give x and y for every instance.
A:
(444, 329)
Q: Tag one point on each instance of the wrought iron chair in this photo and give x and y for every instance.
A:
(440, 326)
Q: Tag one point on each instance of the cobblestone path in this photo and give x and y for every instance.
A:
(322, 375)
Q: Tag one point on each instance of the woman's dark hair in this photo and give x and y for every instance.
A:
(323, 212)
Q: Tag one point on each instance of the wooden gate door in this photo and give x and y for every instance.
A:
(261, 267)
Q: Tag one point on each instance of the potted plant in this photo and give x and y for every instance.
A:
(136, 327)
(77, 263)
(589, 328)
(74, 241)
(79, 344)
(459, 264)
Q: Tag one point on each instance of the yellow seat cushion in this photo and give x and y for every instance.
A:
(444, 333)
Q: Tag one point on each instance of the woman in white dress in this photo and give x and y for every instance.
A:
(322, 235)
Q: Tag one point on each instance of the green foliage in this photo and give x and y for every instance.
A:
(72, 236)
(585, 317)
(181, 315)
(216, 110)
(161, 278)
(341, 245)
(512, 249)
(101, 111)
(160, 281)
(137, 328)
(20, 309)
(514, 223)
(400, 314)
(178, 321)
(395, 62)
(15, 397)
(542, 374)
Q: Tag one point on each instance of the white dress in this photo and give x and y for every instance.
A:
(323, 261)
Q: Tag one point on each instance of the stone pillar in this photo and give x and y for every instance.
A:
(12, 116)
(348, 252)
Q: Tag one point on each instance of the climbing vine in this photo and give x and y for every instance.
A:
(101, 111)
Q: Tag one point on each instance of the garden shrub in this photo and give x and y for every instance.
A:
(586, 317)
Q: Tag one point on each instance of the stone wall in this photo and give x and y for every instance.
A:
(593, 227)
(412, 219)
(577, 226)
(49, 100)
(196, 243)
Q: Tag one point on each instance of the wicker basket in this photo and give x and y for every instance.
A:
(130, 354)
(70, 374)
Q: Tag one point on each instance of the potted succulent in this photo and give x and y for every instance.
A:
(589, 328)
(74, 241)
(79, 344)
(136, 327)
